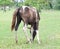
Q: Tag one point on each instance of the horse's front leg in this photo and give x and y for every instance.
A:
(26, 34)
(31, 31)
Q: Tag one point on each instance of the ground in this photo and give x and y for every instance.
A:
(49, 31)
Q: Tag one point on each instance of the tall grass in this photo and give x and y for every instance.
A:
(49, 31)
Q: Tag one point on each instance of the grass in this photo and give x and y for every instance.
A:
(49, 31)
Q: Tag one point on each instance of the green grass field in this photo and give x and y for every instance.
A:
(49, 31)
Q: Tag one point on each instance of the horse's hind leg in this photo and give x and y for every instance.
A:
(35, 32)
(37, 36)
(16, 28)
(26, 34)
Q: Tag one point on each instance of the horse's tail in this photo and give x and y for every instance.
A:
(15, 14)
(13, 21)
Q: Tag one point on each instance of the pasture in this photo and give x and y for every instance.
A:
(49, 31)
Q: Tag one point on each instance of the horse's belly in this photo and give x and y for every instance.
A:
(30, 22)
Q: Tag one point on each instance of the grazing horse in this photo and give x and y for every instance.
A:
(30, 16)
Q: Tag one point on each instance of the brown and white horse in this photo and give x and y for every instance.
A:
(30, 16)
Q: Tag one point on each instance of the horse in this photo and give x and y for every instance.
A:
(29, 16)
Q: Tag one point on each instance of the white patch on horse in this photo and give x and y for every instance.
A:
(38, 36)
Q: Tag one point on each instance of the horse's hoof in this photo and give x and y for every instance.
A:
(39, 42)
(31, 40)
(28, 42)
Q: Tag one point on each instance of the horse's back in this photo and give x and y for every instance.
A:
(29, 14)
